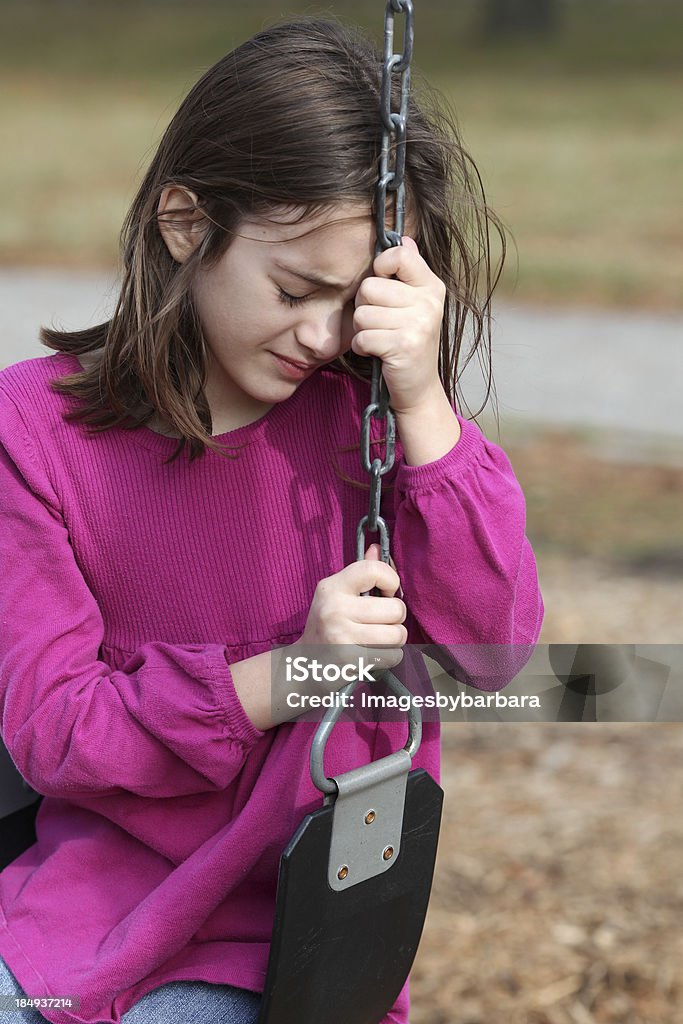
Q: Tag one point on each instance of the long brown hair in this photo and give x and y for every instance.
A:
(291, 116)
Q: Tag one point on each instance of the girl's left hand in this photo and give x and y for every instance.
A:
(400, 322)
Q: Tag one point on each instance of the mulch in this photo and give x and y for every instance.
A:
(558, 891)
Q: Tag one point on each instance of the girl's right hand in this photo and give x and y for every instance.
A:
(340, 617)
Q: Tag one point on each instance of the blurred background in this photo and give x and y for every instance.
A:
(558, 894)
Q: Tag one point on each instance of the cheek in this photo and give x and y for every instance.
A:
(222, 308)
(206, 296)
(239, 312)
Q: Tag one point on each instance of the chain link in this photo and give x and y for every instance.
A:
(391, 179)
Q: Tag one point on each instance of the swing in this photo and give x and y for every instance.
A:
(353, 888)
(354, 880)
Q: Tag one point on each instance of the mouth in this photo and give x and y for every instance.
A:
(294, 370)
(295, 362)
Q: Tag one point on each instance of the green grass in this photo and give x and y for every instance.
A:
(579, 138)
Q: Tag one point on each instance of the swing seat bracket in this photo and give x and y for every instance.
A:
(368, 820)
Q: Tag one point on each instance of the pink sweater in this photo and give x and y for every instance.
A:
(128, 589)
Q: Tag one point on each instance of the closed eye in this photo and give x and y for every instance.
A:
(291, 300)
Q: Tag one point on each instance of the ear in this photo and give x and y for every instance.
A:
(181, 222)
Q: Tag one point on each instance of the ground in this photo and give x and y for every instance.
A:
(558, 893)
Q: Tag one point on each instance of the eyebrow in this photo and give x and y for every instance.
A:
(307, 275)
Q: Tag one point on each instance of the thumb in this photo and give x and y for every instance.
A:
(373, 555)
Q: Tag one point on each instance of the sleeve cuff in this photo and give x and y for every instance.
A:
(238, 724)
(469, 446)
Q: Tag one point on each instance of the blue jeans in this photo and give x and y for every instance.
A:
(178, 1002)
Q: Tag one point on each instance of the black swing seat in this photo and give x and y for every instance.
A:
(18, 808)
(353, 891)
(343, 957)
(17, 832)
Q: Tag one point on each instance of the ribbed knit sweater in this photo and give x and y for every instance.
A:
(129, 587)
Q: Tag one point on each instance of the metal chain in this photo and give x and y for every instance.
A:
(391, 179)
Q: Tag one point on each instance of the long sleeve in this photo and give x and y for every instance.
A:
(467, 569)
(169, 723)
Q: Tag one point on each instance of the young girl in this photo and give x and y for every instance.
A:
(179, 496)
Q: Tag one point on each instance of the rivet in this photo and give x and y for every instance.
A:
(370, 817)
(343, 872)
(388, 853)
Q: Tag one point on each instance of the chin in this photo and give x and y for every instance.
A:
(277, 391)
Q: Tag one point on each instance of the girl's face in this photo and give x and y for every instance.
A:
(267, 327)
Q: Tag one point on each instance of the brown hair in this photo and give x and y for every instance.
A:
(291, 116)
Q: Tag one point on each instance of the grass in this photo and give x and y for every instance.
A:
(586, 174)
(579, 138)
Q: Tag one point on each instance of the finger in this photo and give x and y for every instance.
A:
(405, 262)
(362, 576)
(379, 291)
(390, 318)
(373, 553)
(381, 636)
(380, 343)
(380, 610)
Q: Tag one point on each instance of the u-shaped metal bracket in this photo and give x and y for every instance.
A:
(332, 716)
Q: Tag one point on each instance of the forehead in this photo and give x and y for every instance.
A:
(343, 232)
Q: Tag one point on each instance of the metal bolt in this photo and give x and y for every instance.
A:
(370, 817)
(343, 872)
(388, 853)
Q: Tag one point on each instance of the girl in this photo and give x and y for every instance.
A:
(177, 496)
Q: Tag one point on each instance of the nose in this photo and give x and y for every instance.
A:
(326, 333)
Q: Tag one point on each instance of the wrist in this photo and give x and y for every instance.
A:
(428, 431)
(433, 397)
